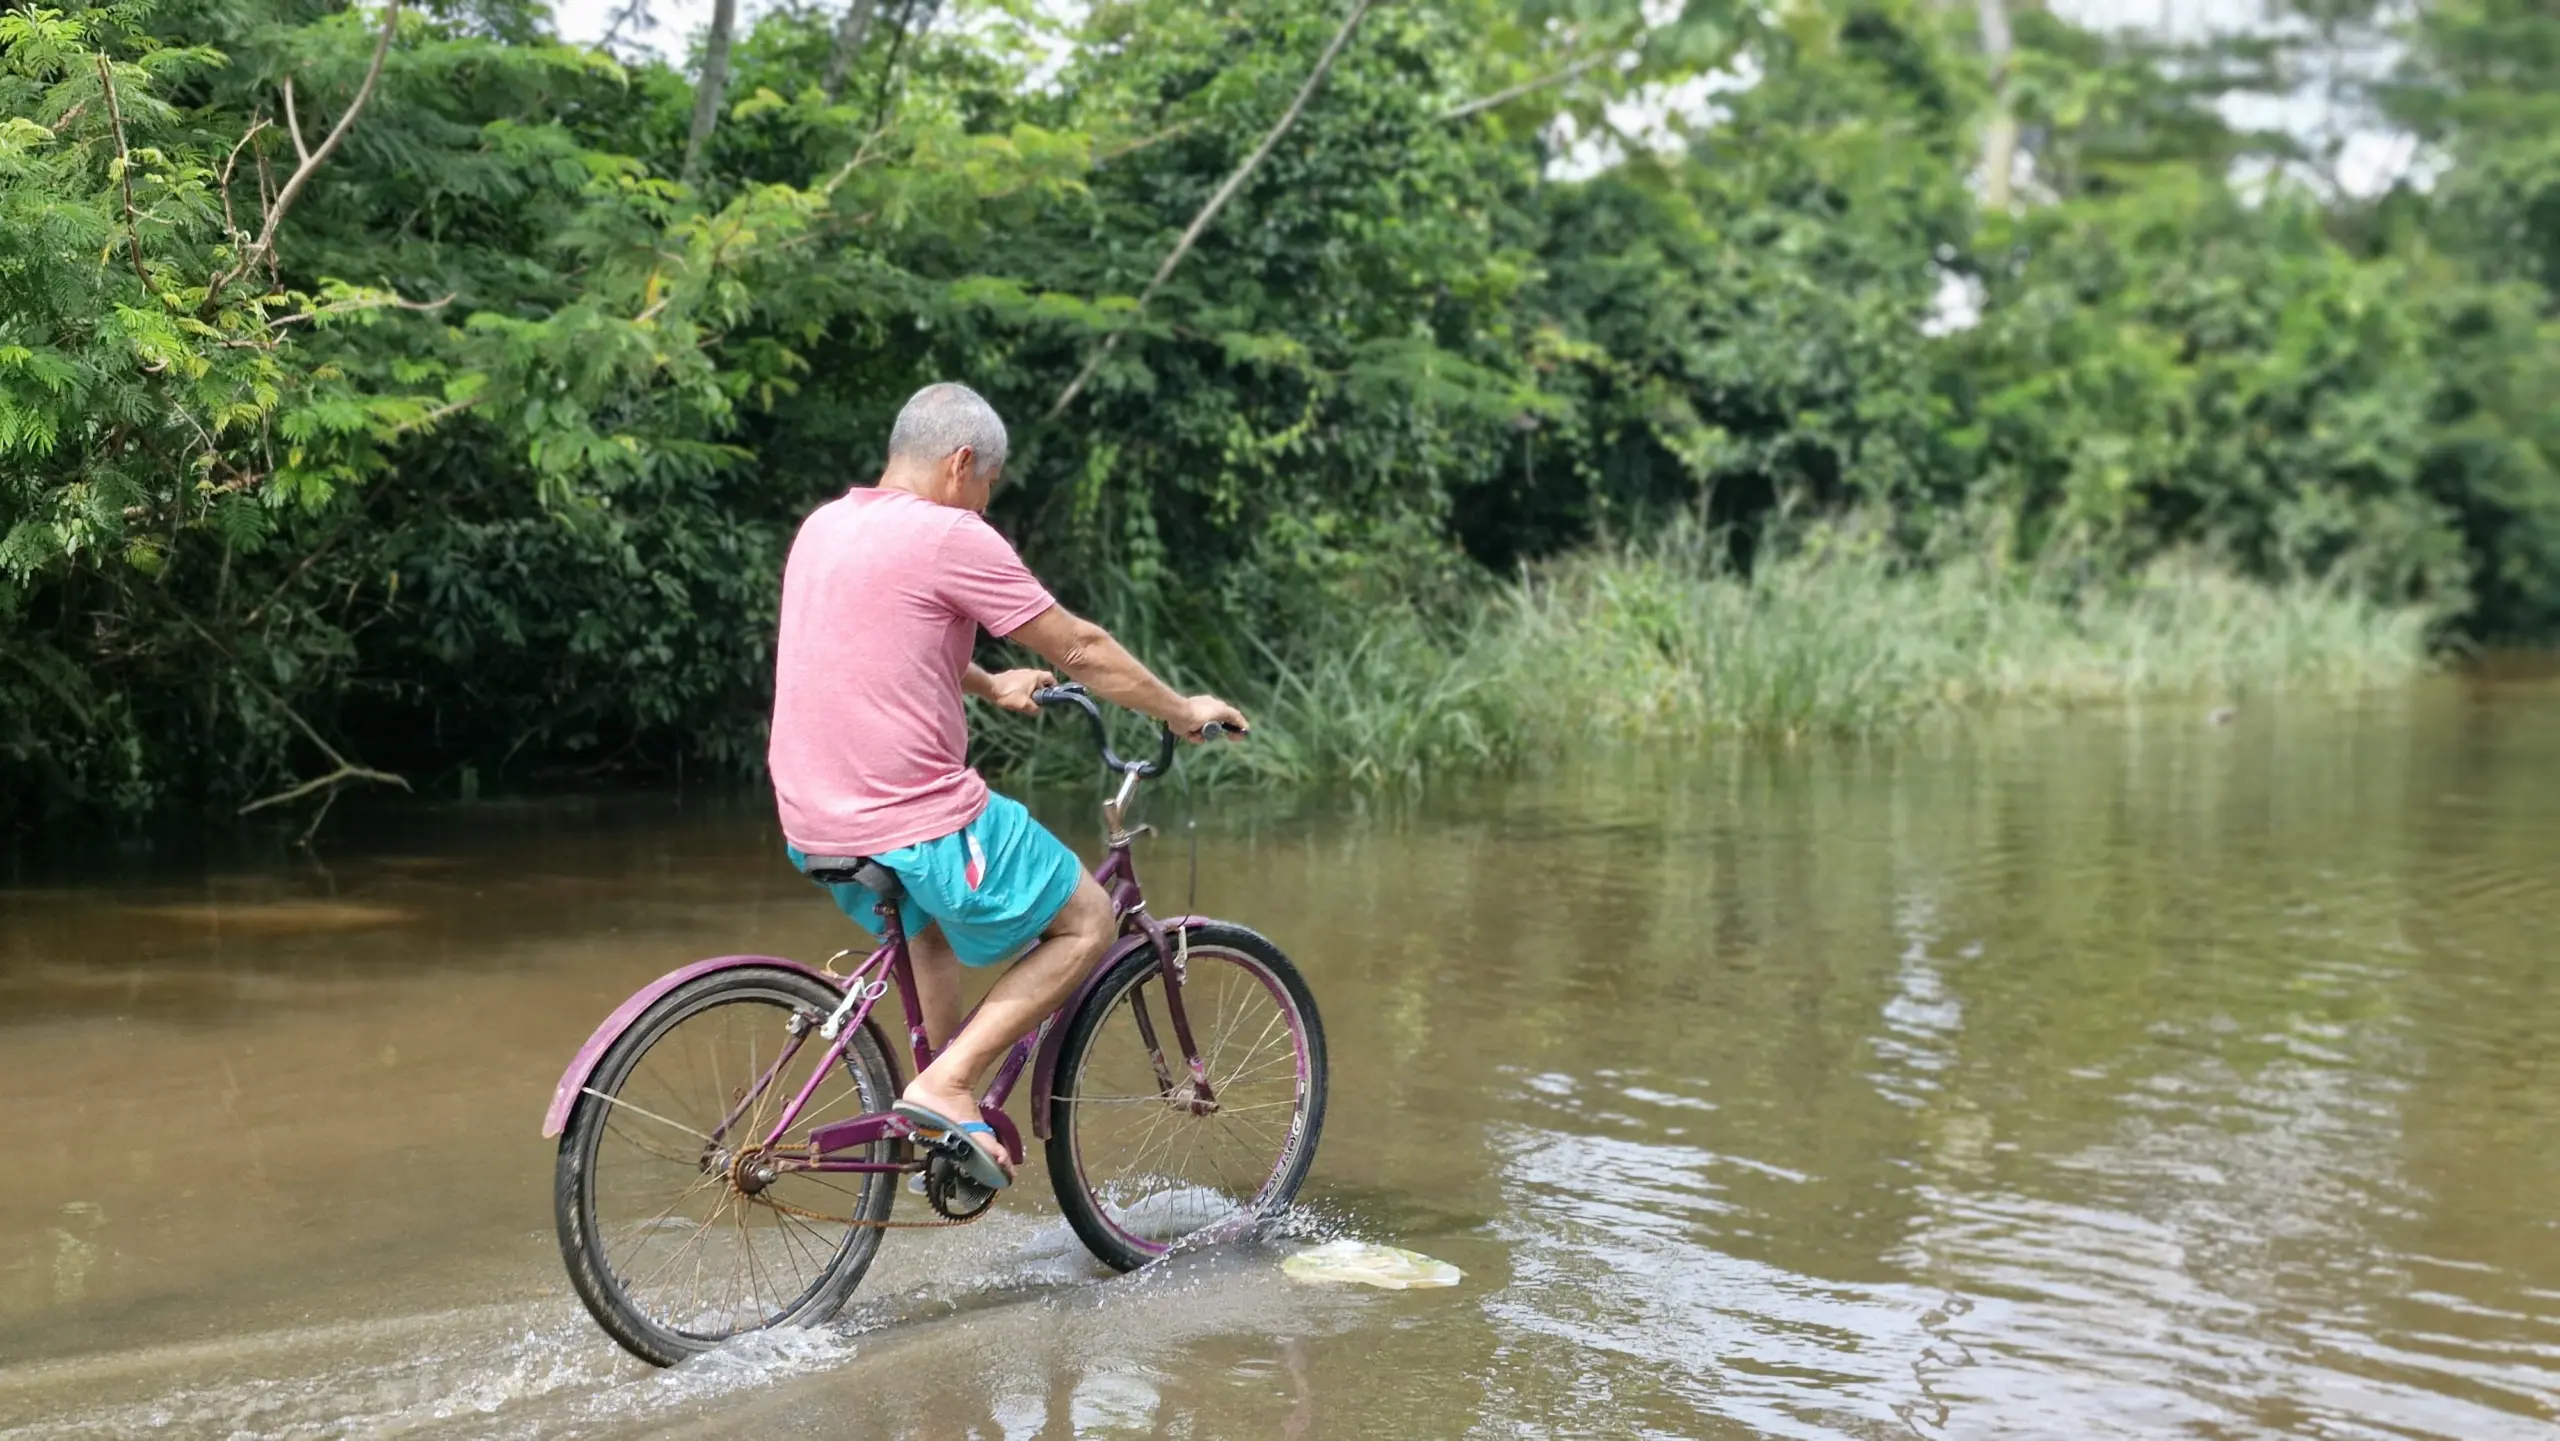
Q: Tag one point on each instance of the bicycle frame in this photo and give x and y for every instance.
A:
(892, 962)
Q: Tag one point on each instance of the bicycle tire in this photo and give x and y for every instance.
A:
(1088, 1212)
(582, 1242)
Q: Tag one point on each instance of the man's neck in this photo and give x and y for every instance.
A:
(922, 487)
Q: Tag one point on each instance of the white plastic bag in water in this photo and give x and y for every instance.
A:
(1391, 1268)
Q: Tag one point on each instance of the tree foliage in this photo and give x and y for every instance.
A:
(476, 439)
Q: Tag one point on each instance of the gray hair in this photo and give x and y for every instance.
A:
(943, 417)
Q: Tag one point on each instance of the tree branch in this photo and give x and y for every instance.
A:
(264, 246)
(850, 33)
(913, 21)
(124, 171)
(1209, 212)
(230, 226)
(370, 302)
(2000, 136)
(344, 772)
(293, 123)
(346, 769)
(1526, 87)
(713, 90)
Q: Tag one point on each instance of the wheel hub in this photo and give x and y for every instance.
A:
(751, 1170)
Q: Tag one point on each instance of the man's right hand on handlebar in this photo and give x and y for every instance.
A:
(1086, 652)
(1202, 711)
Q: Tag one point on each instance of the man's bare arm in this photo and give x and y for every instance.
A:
(1087, 653)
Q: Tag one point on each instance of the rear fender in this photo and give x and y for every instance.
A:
(573, 1081)
(1044, 1070)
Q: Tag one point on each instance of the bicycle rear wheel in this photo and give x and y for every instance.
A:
(675, 1237)
(1139, 1168)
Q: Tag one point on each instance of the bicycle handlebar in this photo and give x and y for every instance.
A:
(1072, 694)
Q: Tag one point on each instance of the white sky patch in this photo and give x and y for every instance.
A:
(1658, 117)
(584, 22)
(1957, 305)
(2370, 158)
(678, 24)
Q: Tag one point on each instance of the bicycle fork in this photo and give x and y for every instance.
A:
(1204, 1100)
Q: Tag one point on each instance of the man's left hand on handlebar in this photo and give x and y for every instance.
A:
(1009, 689)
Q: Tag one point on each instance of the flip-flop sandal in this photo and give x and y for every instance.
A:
(975, 1159)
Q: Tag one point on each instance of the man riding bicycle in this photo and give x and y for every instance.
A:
(883, 595)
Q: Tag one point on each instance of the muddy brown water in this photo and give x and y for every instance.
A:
(2106, 1074)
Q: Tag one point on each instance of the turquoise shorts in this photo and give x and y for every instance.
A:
(993, 885)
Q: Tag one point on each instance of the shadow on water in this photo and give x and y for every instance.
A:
(2109, 1074)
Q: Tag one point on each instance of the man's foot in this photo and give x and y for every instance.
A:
(923, 1104)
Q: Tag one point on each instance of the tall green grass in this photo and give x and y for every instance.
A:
(1833, 632)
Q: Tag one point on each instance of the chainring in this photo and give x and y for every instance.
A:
(949, 1189)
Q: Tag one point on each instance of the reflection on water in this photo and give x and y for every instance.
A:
(2092, 1075)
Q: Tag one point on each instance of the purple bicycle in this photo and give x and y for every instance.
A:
(728, 1158)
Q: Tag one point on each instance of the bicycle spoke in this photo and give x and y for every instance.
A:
(622, 1105)
(637, 1144)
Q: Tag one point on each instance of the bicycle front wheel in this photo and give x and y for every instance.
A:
(1140, 1163)
(678, 1230)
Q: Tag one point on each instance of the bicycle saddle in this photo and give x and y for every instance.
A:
(854, 871)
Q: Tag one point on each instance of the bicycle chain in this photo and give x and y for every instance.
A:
(805, 1214)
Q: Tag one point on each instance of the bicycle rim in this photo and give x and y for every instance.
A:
(1158, 1171)
(697, 1241)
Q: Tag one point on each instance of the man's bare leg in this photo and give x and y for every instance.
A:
(1039, 983)
(937, 984)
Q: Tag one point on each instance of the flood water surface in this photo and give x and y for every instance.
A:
(2110, 1074)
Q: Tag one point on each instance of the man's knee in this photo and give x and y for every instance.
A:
(1086, 917)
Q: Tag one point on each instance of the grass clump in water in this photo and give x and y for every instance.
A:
(1832, 632)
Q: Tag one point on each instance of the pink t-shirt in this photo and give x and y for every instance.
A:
(881, 599)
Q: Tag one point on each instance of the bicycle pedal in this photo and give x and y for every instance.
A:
(951, 1191)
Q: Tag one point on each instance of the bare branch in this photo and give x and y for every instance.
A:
(1217, 202)
(370, 302)
(713, 89)
(124, 170)
(861, 157)
(338, 132)
(850, 33)
(344, 772)
(2000, 136)
(293, 123)
(263, 248)
(1145, 141)
(230, 226)
(1526, 87)
(346, 769)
